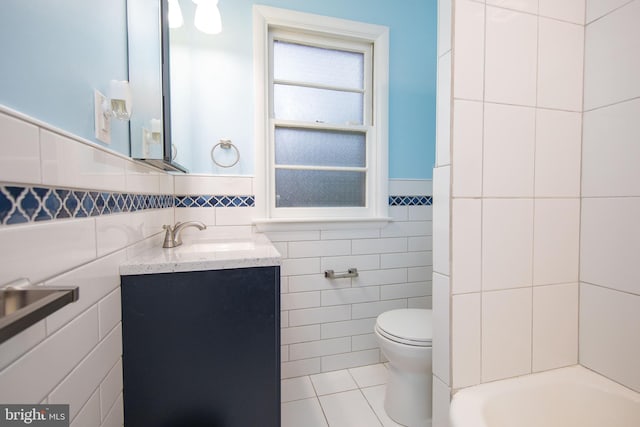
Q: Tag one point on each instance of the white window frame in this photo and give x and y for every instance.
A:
(309, 27)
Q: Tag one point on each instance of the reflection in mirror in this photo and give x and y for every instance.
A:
(212, 88)
(150, 125)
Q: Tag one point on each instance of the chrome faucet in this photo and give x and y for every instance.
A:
(172, 236)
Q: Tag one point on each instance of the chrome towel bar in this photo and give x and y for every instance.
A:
(330, 274)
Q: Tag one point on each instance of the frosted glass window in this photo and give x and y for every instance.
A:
(309, 188)
(317, 105)
(323, 145)
(320, 147)
(309, 64)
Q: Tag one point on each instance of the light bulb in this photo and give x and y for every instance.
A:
(120, 99)
(207, 17)
(175, 14)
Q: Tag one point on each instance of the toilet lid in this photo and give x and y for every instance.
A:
(411, 326)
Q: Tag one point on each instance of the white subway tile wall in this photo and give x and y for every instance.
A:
(74, 355)
(89, 415)
(330, 322)
(111, 388)
(205, 184)
(46, 249)
(20, 160)
(19, 344)
(65, 163)
(610, 231)
(91, 371)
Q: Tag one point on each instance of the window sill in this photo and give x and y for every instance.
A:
(288, 224)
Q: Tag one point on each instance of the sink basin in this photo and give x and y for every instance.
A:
(216, 246)
(252, 250)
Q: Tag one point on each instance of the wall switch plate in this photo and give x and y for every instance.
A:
(102, 120)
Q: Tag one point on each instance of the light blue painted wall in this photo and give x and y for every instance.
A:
(220, 105)
(54, 53)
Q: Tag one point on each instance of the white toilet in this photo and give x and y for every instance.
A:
(404, 337)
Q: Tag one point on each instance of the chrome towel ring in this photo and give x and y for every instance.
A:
(225, 144)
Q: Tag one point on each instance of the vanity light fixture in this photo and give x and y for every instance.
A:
(207, 17)
(151, 136)
(175, 14)
(116, 105)
(119, 105)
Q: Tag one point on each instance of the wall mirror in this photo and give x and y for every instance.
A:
(150, 124)
(211, 79)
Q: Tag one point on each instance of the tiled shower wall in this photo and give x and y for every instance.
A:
(73, 356)
(328, 324)
(610, 230)
(514, 191)
(442, 224)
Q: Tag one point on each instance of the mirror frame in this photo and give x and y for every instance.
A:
(166, 162)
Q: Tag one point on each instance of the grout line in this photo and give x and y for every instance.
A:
(358, 388)
(370, 406)
(537, 13)
(534, 201)
(581, 177)
(612, 104)
(313, 385)
(508, 104)
(609, 288)
(606, 14)
(324, 414)
(482, 200)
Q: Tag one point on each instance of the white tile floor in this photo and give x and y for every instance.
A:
(348, 398)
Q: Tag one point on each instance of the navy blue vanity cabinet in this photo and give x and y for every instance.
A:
(202, 348)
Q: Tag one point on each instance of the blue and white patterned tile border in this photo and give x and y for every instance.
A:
(410, 200)
(21, 204)
(208, 201)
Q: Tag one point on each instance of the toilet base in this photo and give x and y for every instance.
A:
(407, 399)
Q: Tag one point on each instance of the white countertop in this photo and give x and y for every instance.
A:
(200, 255)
